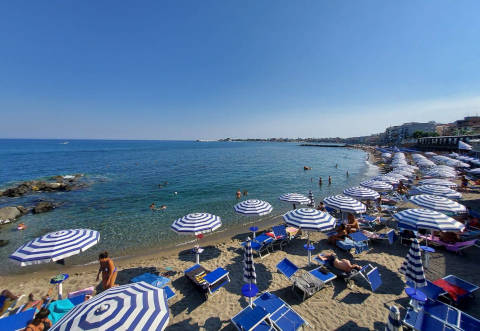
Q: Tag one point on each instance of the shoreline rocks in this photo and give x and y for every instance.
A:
(43, 207)
(61, 183)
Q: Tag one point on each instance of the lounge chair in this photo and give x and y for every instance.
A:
(281, 236)
(87, 291)
(457, 247)
(370, 221)
(390, 236)
(12, 306)
(356, 240)
(368, 272)
(261, 244)
(458, 289)
(253, 318)
(439, 316)
(308, 283)
(59, 308)
(155, 280)
(283, 317)
(207, 282)
(18, 321)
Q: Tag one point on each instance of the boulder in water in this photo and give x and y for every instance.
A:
(12, 213)
(43, 207)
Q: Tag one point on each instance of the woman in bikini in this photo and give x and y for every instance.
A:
(341, 234)
(40, 322)
(343, 264)
(108, 270)
(352, 225)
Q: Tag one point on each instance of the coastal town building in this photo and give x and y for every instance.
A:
(397, 134)
(469, 124)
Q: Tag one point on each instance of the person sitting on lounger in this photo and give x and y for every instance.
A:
(401, 188)
(334, 261)
(40, 322)
(6, 299)
(341, 234)
(449, 237)
(37, 303)
(321, 207)
(352, 225)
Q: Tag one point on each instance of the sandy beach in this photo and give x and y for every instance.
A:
(332, 308)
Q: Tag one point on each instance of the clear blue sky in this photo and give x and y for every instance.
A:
(212, 69)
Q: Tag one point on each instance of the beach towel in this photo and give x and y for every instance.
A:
(453, 290)
(58, 309)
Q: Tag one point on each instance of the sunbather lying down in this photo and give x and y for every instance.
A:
(343, 264)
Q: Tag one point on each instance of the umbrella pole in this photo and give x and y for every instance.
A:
(308, 249)
(197, 254)
(60, 290)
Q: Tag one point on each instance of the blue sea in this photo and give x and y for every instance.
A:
(124, 178)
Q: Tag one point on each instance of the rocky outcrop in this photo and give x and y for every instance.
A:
(61, 183)
(12, 213)
(43, 207)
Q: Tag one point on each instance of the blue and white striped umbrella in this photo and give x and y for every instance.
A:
(398, 177)
(437, 181)
(135, 306)
(294, 198)
(394, 323)
(249, 274)
(386, 179)
(345, 204)
(310, 219)
(401, 172)
(361, 193)
(196, 223)
(55, 246)
(412, 267)
(437, 203)
(439, 190)
(439, 173)
(419, 218)
(253, 207)
(377, 185)
(475, 171)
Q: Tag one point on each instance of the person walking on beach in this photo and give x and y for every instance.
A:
(108, 270)
(239, 194)
(329, 180)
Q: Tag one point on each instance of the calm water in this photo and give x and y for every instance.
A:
(124, 177)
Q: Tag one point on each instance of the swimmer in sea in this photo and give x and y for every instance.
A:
(163, 207)
(245, 193)
(239, 194)
(152, 206)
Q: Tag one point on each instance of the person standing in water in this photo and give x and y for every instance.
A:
(329, 180)
(320, 181)
(336, 165)
(245, 193)
(239, 194)
(347, 173)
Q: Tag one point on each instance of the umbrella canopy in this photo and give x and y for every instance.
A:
(396, 176)
(310, 219)
(475, 171)
(439, 173)
(439, 190)
(253, 207)
(412, 267)
(135, 306)
(345, 204)
(55, 246)
(196, 223)
(439, 182)
(418, 218)
(294, 198)
(377, 185)
(394, 322)
(398, 171)
(464, 146)
(361, 193)
(249, 274)
(438, 203)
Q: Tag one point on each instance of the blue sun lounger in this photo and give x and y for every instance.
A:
(308, 283)
(18, 321)
(253, 318)
(356, 240)
(439, 316)
(283, 317)
(207, 282)
(261, 244)
(281, 236)
(155, 280)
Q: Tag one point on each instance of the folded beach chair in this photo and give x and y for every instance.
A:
(253, 318)
(370, 221)
(369, 273)
(283, 317)
(458, 290)
(308, 283)
(261, 245)
(440, 316)
(281, 236)
(18, 321)
(207, 282)
(11, 306)
(390, 236)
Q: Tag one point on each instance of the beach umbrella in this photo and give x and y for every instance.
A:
(412, 267)
(196, 224)
(135, 306)
(294, 198)
(475, 171)
(419, 218)
(440, 174)
(309, 219)
(55, 246)
(442, 191)
(377, 185)
(311, 198)
(437, 181)
(396, 176)
(253, 207)
(345, 204)
(464, 146)
(430, 153)
(394, 323)
(400, 172)
(249, 275)
(438, 203)
(361, 193)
